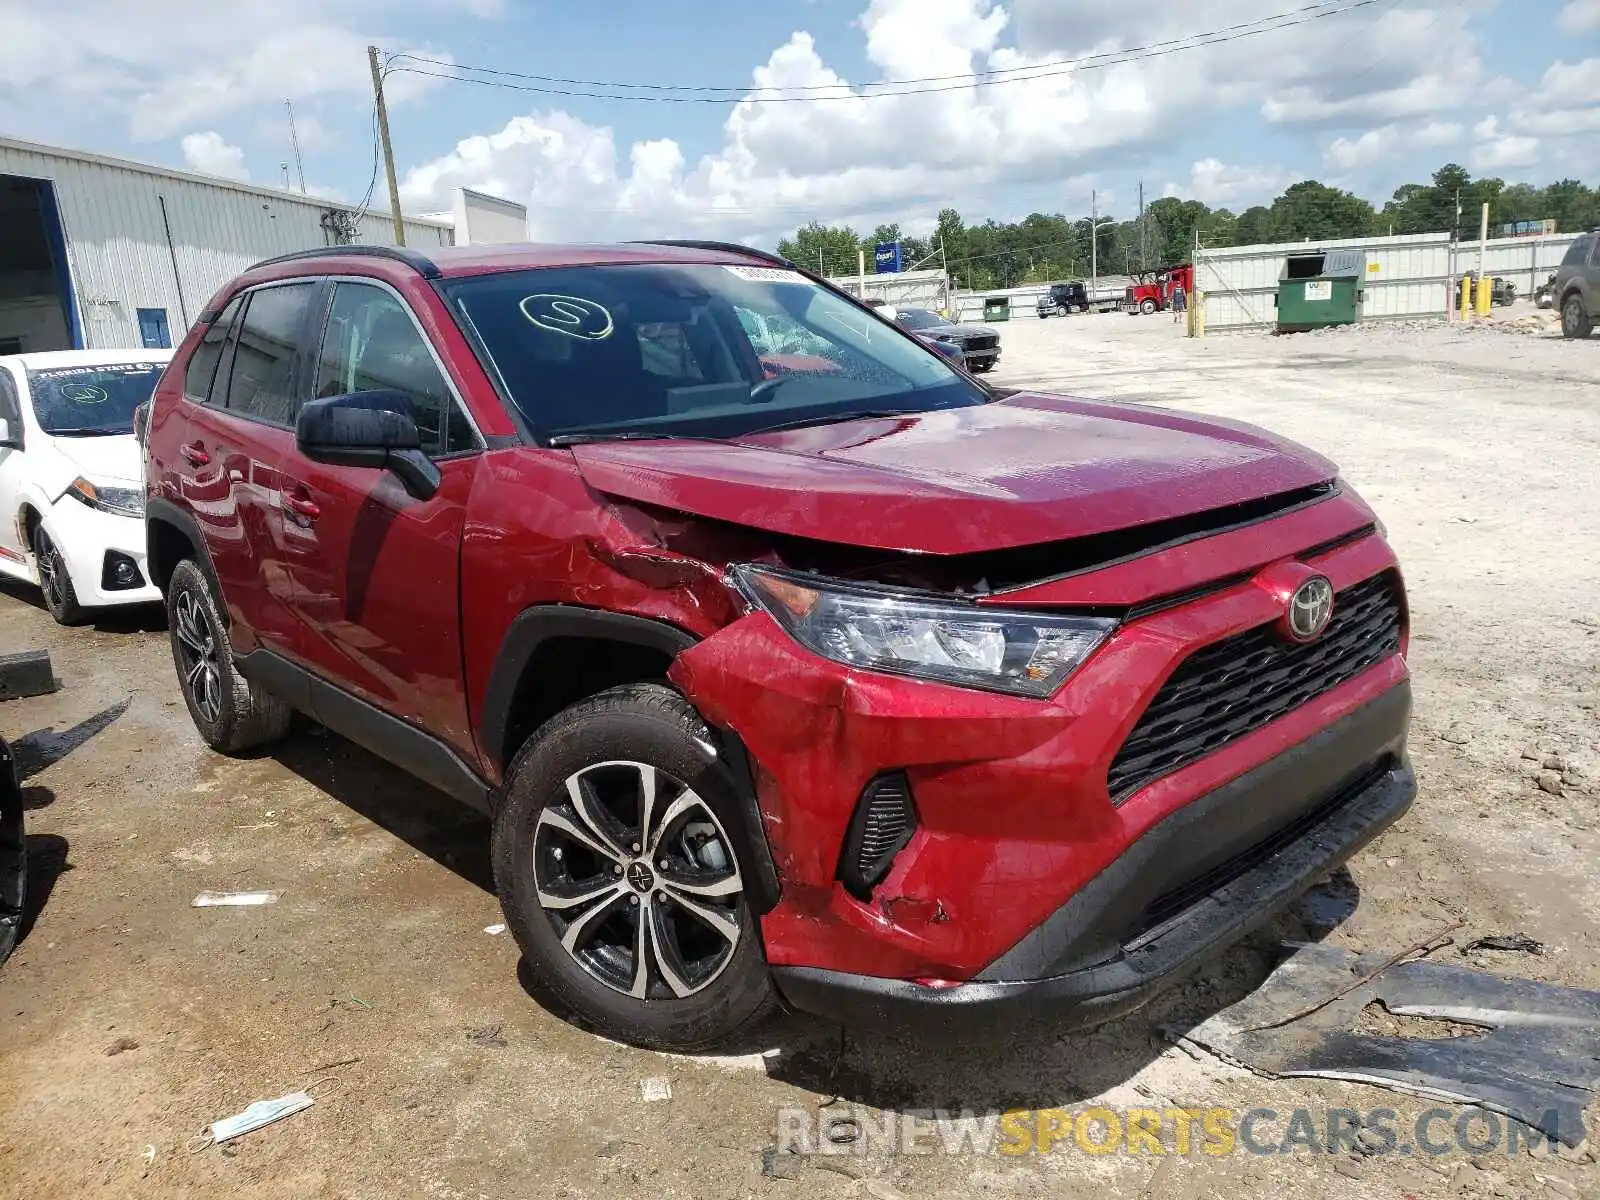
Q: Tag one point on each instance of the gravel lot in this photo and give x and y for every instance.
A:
(129, 1020)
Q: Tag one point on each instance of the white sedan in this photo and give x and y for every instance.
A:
(72, 476)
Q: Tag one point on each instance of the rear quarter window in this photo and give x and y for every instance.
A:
(1578, 252)
(202, 367)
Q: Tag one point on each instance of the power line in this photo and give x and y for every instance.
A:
(1323, 8)
(543, 85)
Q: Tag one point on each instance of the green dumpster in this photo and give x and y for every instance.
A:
(997, 308)
(1319, 289)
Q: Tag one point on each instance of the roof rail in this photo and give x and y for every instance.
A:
(418, 262)
(727, 247)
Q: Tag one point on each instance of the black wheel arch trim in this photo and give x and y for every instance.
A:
(535, 626)
(158, 511)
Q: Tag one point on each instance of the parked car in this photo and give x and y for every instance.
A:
(1577, 286)
(71, 488)
(979, 345)
(862, 687)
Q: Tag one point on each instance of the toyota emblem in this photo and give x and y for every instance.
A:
(1310, 608)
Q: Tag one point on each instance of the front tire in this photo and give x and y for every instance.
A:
(1147, 307)
(1575, 319)
(617, 875)
(232, 714)
(55, 581)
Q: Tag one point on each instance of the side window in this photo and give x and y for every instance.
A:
(1578, 253)
(10, 411)
(203, 362)
(261, 384)
(372, 344)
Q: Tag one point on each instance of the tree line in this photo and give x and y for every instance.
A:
(1043, 247)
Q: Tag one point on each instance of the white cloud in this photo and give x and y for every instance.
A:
(1497, 151)
(903, 157)
(1437, 133)
(210, 154)
(162, 70)
(1371, 149)
(1579, 16)
(1565, 104)
(1219, 185)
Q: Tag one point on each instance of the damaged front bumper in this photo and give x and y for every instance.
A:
(1194, 884)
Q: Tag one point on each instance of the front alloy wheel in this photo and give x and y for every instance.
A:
(635, 873)
(55, 581)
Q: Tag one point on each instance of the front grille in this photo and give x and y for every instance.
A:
(980, 343)
(1230, 689)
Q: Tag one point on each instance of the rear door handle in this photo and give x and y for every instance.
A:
(195, 453)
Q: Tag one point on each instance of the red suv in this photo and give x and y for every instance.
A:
(789, 660)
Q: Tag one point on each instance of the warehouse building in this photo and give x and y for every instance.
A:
(102, 253)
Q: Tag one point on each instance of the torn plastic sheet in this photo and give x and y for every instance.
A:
(1537, 1060)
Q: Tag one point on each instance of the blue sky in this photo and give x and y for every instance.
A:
(1367, 98)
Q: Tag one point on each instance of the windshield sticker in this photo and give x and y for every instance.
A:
(570, 315)
(84, 393)
(767, 274)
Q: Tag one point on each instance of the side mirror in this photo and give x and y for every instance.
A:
(141, 422)
(368, 429)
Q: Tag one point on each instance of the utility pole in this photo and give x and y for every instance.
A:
(1144, 258)
(1094, 241)
(388, 150)
(294, 140)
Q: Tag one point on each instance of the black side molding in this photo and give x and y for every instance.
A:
(399, 742)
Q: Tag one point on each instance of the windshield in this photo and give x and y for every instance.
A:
(91, 401)
(919, 318)
(704, 351)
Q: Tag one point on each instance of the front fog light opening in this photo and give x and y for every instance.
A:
(884, 822)
(120, 573)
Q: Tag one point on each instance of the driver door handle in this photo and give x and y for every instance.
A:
(303, 506)
(195, 453)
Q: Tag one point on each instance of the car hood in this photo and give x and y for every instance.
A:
(110, 459)
(1021, 471)
(961, 331)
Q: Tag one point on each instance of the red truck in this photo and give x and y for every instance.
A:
(1152, 292)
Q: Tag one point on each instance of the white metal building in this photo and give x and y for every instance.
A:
(1407, 276)
(101, 253)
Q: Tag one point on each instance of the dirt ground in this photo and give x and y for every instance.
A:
(129, 1020)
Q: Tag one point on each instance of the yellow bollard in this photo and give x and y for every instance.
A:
(1485, 294)
(1197, 315)
(1466, 297)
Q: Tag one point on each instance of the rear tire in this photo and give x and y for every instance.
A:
(593, 877)
(1575, 319)
(55, 582)
(232, 714)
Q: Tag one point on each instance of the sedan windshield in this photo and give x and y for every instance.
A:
(694, 351)
(91, 401)
(919, 318)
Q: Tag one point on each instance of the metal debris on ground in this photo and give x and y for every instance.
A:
(657, 1087)
(1536, 1061)
(233, 899)
(1521, 943)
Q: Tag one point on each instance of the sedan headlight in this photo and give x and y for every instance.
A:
(124, 502)
(878, 629)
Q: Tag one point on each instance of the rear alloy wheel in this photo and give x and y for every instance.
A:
(232, 714)
(1575, 319)
(55, 582)
(619, 863)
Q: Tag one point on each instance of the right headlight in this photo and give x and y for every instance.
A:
(880, 629)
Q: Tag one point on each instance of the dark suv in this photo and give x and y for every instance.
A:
(1577, 286)
(788, 660)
